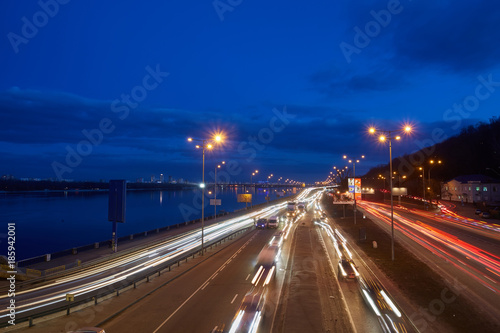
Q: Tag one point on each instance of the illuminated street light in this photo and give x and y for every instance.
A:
(388, 135)
(205, 144)
(354, 179)
(215, 190)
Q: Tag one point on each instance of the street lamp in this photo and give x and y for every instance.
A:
(388, 136)
(253, 174)
(354, 180)
(423, 180)
(215, 190)
(432, 163)
(205, 144)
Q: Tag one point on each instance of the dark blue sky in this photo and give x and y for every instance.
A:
(93, 90)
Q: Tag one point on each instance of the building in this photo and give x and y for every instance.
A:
(472, 188)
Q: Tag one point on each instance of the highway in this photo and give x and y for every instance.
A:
(118, 271)
(464, 251)
(238, 289)
(369, 302)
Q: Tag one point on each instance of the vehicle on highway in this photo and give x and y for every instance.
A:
(266, 265)
(388, 315)
(249, 314)
(261, 223)
(485, 215)
(89, 330)
(347, 269)
(277, 239)
(301, 206)
(273, 222)
(291, 209)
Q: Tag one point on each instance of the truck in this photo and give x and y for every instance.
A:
(290, 209)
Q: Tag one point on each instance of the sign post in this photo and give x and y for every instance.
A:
(116, 207)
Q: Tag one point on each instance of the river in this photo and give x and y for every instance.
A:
(48, 222)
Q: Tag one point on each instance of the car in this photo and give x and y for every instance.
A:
(261, 223)
(89, 330)
(478, 211)
(485, 215)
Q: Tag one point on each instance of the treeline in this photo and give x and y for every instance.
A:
(476, 150)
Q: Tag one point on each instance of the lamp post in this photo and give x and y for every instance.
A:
(432, 163)
(354, 180)
(423, 179)
(253, 174)
(205, 144)
(388, 136)
(215, 190)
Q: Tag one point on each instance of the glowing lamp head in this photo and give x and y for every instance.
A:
(398, 137)
(407, 129)
(218, 138)
(190, 139)
(371, 130)
(209, 146)
(382, 138)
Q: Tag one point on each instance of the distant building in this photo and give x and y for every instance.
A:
(472, 188)
(161, 178)
(170, 179)
(140, 180)
(152, 178)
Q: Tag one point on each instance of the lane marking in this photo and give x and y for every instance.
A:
(247, 277)
(203, 285)
(234, 298)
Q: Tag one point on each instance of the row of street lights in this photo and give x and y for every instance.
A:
(383, 137)
(205, 144)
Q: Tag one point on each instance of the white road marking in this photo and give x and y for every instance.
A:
(234, 298)
(203, 285)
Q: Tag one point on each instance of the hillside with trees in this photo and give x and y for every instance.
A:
(476, 150)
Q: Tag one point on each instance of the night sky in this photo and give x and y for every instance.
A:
(100, 90)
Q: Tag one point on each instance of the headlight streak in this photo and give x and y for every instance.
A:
(237, 321)
(475, 254)
(175, 246)
(391, 304)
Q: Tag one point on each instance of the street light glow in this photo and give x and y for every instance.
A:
(381, 138)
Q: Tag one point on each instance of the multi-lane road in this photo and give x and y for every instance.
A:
(464, 251)
(302, 287)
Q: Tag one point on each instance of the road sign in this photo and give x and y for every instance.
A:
(244, 198)
(214, 202)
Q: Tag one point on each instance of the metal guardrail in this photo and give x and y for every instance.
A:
(115, 289)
